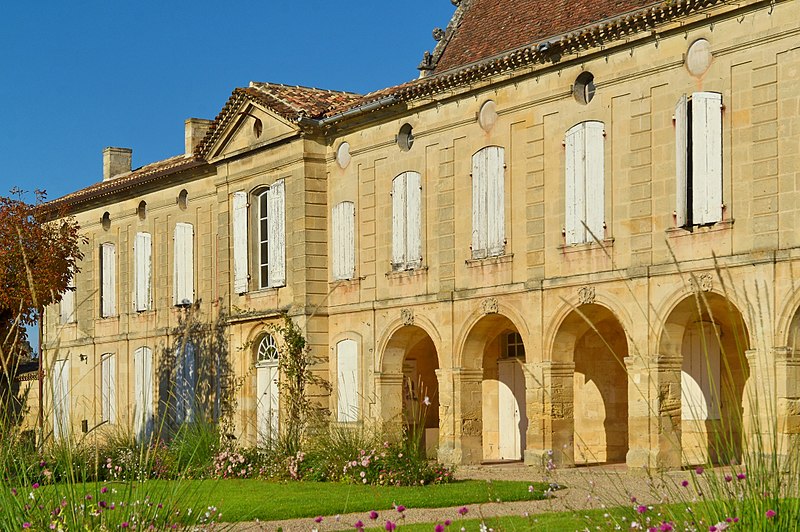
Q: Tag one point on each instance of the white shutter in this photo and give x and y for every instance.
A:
(595, 180)
(344, 240)
(495, 196)
(347, 370)
(706, 157)
(185, 382)
(142, 249)
(239, 220)
(574, 186)
(413, 220)
(276, 221)
(108, 404)
(399, 223)
(143, 393)
(67, 305)
(108, 288)
(61, 400)
(183, 271)
(681, 168)
(479, 189)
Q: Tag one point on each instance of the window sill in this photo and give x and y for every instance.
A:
(489, 261)
(587, 246)
(355, 281)
(679, 232)
(411, 272)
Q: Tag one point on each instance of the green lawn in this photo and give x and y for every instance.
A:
(247, 500)
(547, 521)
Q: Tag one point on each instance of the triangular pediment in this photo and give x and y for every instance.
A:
(249, 127)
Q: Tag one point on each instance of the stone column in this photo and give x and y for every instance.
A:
(550, 408)
(390, 397)
(468, 415)
(447, 438)
(787, 393)
(760, 412)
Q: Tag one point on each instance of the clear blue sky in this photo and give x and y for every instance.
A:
(76, 77)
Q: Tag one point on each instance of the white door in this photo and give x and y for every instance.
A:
(61, 399)
(267, 393)
(143, 393)
(512, 419)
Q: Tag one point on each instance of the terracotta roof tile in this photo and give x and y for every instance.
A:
(490, 27)
(292, 102)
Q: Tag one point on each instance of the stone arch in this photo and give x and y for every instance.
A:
(479, 323)
(490, 389)
(706, 335)
(408, 383)
(788, 323)
(589, 390)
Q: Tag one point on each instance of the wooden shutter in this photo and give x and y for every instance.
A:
(183, 272)
(495, 200)
(681, 162)
(108, 288)
(185, 382)
(479, 193)
(67, 305)
(277, 233)
(574, 185)
(348, 390)
(344, 240)
(239, 222)
(594, 172)
(61, 400)
(399, 223)
(108, 405)
(143, 393)
(706, 157)
(413, 215)
(142, 251)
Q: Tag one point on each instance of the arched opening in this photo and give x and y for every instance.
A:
(409, 387)
(594, 408)
(496, 392)
(708, 334)
(267, 389)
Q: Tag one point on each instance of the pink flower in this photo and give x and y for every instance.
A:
(741, 476)
(26, 525)
(373, 515)
(401, 508)
(359, 525)
(35, 485)
(438, 528)
(318, 519)
(641, 509)
(666, 527)
(390, 526)
(463, 510)
(699, 470)
(685, 483)
(771, 513)
(447, 522)
(104, 490)
(728, 478)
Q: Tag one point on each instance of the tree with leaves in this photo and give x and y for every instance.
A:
(39, 253)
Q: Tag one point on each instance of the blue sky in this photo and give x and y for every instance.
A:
(78, 76)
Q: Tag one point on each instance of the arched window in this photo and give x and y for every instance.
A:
(267, 351)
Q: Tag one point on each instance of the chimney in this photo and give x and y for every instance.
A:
(196, 129)
(116, 161)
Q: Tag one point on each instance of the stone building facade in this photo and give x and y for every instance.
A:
(574, 233)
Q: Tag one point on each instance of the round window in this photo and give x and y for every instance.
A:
(405, 138)
(141, 210)
(487, 116)
(183, 200)
(698, 57)
(106, 221)
(343, 155)
(583, 90)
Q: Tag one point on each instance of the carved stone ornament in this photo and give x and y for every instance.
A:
(489, 306)
(703, 282)
(438, 34)
(455, 2)
(586, 295)
(407, 315)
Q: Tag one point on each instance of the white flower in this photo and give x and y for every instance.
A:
(426, 401)
(484, 528)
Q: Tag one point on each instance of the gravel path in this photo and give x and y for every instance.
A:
(587, 488)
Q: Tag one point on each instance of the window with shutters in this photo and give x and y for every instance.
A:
(488, 203)
(142, 272)
(185, 382)
(268, 233)
(407, 221)
(585, 183)
(108, 280)
(698, 159)
(67, 305)
(143, 410)
(183, 262)
(343, 240)
(108, 388)
(347, 380)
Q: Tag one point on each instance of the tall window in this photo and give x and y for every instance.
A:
(585, 183)
(108, 280)
(183, 261)
(269, 220)
(488, 207)
(67, 305)
(407, 221)
(347, 380)
(698, 159)
(108, 388)
(514, 346)
(343, 240)
(61, 399)
(143, 393)
(142, 251)
(185, 382)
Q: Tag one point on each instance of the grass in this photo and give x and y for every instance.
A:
(547, 521)
(247, 500)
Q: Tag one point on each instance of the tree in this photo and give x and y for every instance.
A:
(39, 253)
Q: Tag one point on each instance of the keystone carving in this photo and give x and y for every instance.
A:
(407, 315)
(489, 306)
(586, 295)
(703, 282)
